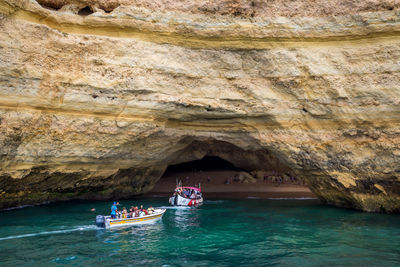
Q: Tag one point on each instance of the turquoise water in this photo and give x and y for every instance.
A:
(250, 232)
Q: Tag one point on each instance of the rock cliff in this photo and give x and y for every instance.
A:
(97, 98)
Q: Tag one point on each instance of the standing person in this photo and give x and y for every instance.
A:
(114, 210)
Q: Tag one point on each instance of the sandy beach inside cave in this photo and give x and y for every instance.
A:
(216, 187)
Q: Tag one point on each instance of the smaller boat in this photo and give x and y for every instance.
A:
(108, 222)
(186, 196)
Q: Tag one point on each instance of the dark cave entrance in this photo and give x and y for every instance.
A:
(207, 163)
(222, 178)
(209, 170)
(86, 11)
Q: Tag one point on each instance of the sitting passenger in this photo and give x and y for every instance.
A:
(124, 213)
(136, 212)
(131, 212)
(150, 210)
(143, 210)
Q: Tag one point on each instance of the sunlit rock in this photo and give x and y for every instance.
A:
(97, 100)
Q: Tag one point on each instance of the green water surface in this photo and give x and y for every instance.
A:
(251, 232)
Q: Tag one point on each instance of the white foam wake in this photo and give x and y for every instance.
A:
(79, 228)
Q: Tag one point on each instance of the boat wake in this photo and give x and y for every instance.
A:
(25, 206)
(79, 228)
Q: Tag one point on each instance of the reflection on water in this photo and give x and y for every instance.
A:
(185, 218)
(219, 233)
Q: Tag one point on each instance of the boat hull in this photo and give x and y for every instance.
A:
(112, 223)
(182, 201)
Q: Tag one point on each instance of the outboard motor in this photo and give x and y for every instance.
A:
(100, 221)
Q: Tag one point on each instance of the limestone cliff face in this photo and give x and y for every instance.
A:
(97, 105)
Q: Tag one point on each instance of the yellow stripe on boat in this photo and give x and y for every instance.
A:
(136, 219)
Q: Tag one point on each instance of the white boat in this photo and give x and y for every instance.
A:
(108, 222)
(186, 196)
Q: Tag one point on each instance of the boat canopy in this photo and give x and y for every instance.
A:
(192, 188)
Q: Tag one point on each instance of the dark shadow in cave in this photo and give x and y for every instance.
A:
(50, 6)
(86, 11)
(228, 171)
(208, 163)
(220, 178)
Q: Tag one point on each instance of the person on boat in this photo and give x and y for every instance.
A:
(136, 212)
(124, 213)
(114, 210)
(143, 210)
(131, 212)
(150, 210)
(141, 213)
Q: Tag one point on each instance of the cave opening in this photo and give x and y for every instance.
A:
(229, 172)
(86, 11)
(207, 163)
(209, 171)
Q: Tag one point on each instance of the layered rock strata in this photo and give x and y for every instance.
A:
(96, 102)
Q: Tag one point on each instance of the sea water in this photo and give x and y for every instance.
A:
(250, 232)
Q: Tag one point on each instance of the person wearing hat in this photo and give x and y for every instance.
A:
(114, 210)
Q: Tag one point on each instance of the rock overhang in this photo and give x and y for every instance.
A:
(99, 103)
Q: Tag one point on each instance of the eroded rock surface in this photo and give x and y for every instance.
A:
(97, 106)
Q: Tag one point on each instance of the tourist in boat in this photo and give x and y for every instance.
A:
(141, 213)
(179, 191)
(114, 210)
(124, 213)
(150, 210)
(143, 210)
(136, 211)
(185, 193)
(131, 212)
